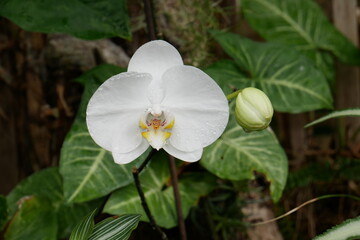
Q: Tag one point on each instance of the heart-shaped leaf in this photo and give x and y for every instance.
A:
(300, 23)
(34, 219)
(290, 80)
(237, 154)
(47, 186)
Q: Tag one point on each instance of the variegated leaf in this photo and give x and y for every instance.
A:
(300, 23)
(290, 79)
(115, 229)
(83, 229)
(237, 154)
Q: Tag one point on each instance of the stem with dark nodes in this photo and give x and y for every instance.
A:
(136, 172)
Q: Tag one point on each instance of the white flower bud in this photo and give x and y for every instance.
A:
(253, 109)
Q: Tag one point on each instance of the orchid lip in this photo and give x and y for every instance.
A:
(156, 128)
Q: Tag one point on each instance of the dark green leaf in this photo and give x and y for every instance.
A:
(89, 171)
(80, 18)
(237, 154)
(323, 61)
(47, 184)
(83, 229)
(159, 196)
(35, 219)
(227, 74)
(300, 23)
(286, 76)
(115, 229)
(3, 212)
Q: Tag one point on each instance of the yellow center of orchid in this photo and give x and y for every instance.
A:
(156, 129)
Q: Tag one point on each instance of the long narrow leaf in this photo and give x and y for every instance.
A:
(83, 230)
(353, 112)
(117, 229)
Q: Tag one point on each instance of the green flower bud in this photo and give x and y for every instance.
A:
(253, 109)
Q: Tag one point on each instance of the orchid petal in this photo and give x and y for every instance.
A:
(185, 156)
(114, 111)
(124, 158)
(155, 57)
(199, 106)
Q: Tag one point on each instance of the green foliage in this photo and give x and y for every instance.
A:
(115, 229)
(237, 154)
(42, 192)
(80, 18)
(348, 230)
(300, 23)
(228, 75)
(288, 78)
(96, 172)
(353, 112)
(159, 195)
(220, 210)
(111, 228)
(35, 219)
(343, 169)
(349, 169)
(3, 212)
(83, 229)
(313, 172)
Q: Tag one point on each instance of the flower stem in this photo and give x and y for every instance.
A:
(149, 17)
(233, 95)
(174, 181)
(136, 172)
(150, 23)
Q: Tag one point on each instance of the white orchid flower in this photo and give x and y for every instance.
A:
(159, 102)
